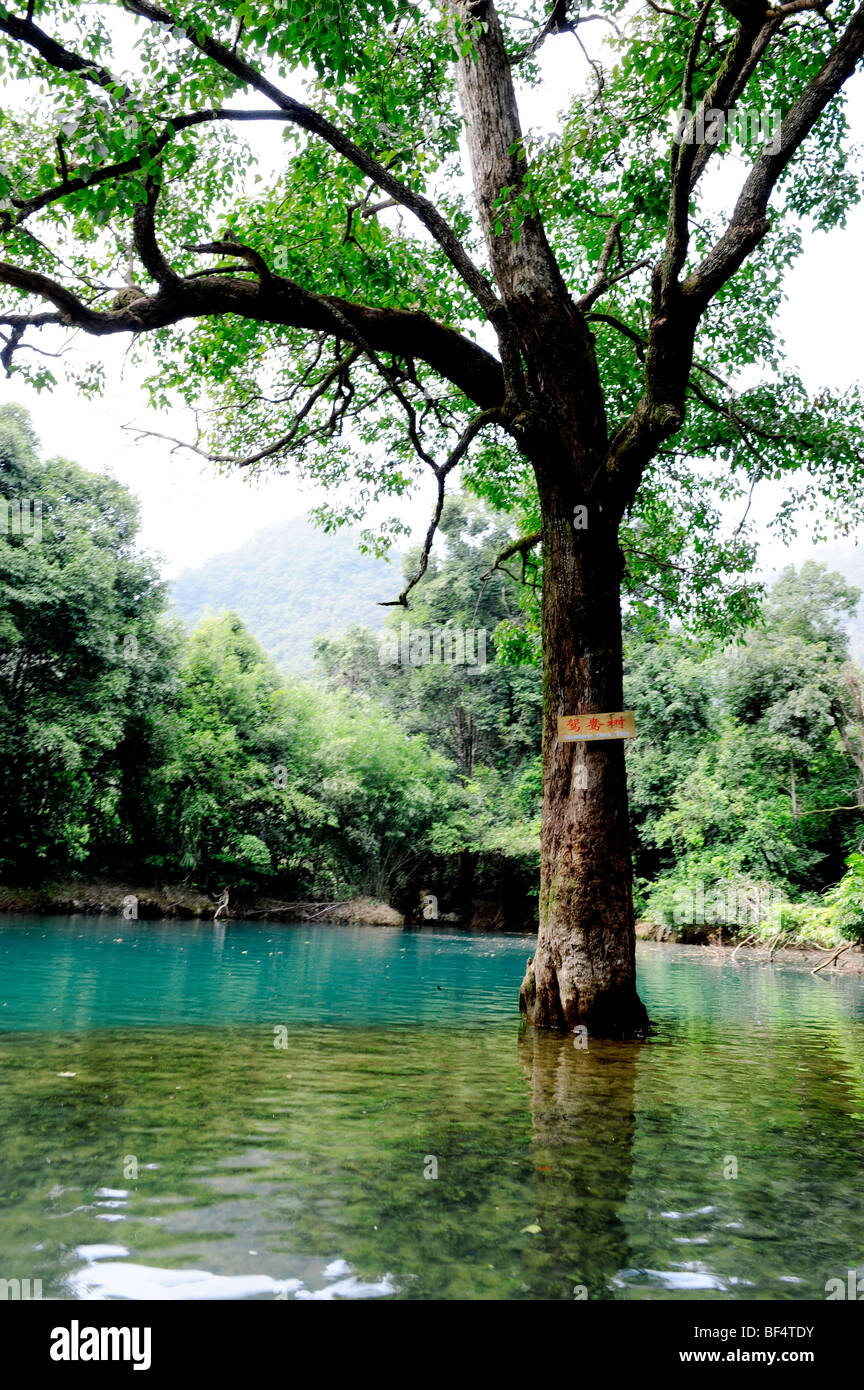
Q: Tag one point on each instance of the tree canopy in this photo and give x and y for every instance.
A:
(326, 301)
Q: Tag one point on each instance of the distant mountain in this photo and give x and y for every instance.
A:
(291, 584)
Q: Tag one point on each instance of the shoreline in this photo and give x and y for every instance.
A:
(721, 945)
(173, 901)
(176, 902)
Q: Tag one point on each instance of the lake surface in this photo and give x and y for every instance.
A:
(260, 1111)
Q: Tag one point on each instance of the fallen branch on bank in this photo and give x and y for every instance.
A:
(831, 959)
(330, 907)
(751, 937)
(302, 910)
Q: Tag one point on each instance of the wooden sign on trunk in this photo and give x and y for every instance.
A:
(574, 728)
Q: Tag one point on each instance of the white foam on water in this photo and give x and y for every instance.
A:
(672, 1279)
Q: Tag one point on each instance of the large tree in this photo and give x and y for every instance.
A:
(86, 659)
(559, 316)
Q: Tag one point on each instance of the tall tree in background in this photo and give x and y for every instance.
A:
(86, 658)
(616, 299)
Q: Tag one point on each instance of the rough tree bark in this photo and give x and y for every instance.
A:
(584, 968)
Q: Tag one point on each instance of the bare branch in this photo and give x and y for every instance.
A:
(604, 280)
(11, 343)
(235, 248)
(662, 9)
(469, 434)
(279, 446)
(798, 6)
(558, 22)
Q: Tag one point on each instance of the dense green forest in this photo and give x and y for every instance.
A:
(134, 748)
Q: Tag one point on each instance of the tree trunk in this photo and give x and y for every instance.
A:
(584, 967)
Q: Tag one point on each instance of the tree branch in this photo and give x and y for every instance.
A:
(54, 53)
(749, 222)
(144, 233)
(469, 434)
(677, 308)
(689, 158)
(318, 125)
(278, 446)
(406, 333)
(519, 547)
(75, 183)
(604, 281)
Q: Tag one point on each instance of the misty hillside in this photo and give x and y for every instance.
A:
(290, 584)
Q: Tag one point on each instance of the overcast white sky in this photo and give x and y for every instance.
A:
(189, 512)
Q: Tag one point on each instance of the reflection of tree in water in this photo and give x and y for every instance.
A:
(582, 1110)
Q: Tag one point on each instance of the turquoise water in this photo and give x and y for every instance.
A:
(321, 1112)
(63, 973)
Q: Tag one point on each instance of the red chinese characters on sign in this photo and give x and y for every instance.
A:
(588, 727)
